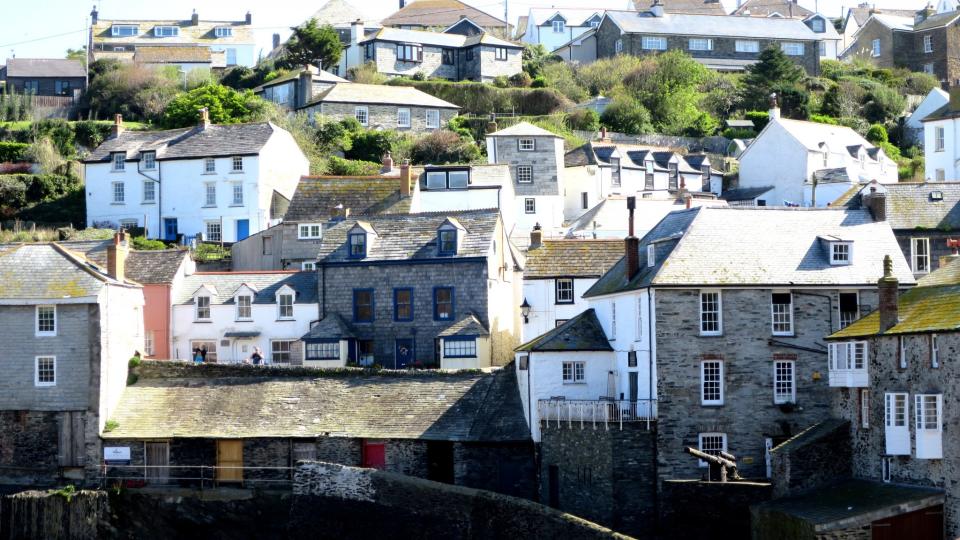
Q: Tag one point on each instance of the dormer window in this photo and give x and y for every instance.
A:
(447, 242)
(285, 303)
(203, 308)
(817, 25)
(223, 31)
(559, 26)
(166, 31)
(244, 307)
(841, 253)
(358, 245)
(457, 179)
(124, 30)
(118, 159)
(148, 160)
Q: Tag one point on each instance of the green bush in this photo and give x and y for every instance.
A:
(45, 198)
(442, 147)
(482, 99)
(12, 151)
(346, 167)
(824, 119)
(884, 104)
(627, 116)
(146, 244)
(501, 81)
(539, 82)
(739, 133)
(90, 134)
(369, 146)
(920, 83)
(760, 119)
(225, 106)
(520, 80)
(582, 120)
(877, 134)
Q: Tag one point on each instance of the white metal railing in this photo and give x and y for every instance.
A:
(202, 476)
(594, 413)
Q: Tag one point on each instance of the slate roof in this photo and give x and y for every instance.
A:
(142, 266)
(572, 16)
(911, 205)
(44, 67)
(440, 13)
(523, 129)
(439, 39)
(409, 237)
(690, 7)
(468, 325)
(766, 8)
(761, 247)
(316, 197)
(945, 112)
(341, 13)
(460, 406)
(861, 14)
(708, 25)
(894, 22)
(581, 333)
(319, 76)
(50, 272)
(572, 258)
(937, 21)
(632, 156)
(832, 176)
(267, 284)
(165, 55)
(186, 143)
(610, 214)
(744, 194)
(383, 94)
(812, 134)
(201, 33)
(330, 327)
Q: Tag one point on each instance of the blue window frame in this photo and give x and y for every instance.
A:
(443, 305)
(403, 304)
(460, 347)
(447, 242)
(358, 245)
(363, 305)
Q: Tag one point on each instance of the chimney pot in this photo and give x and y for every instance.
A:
(117, 125)
(536, 237)
(204, 118)
(194, 18)
(888, 287)
(94, 15)
(405, 179)
(117, 256)
(387, 161)
(249, 18)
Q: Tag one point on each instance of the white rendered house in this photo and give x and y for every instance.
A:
(940, 144)
(222, 181)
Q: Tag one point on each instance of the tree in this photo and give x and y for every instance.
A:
(225, 105)
(78, 54)
(669, 87)
(135, 91)
(443, 146)
(627, 115)
(312, 44)
(774, 72)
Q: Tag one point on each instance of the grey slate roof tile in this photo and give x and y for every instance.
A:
(48, 271)
(216, 140)
(469, 325)
(581, 333)
(267, 284)
(142, 266)
(572, 258)
(316, 197)
(330, 327)
(913, 205)
(44, 67)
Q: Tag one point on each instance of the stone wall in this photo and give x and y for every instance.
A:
(695, 509)
(817, 457)
(504, 468)
(862, 47)
(908, 51)
(431, 66)
(543, 160)
(344, 502)
(385, 116)
(606, 476)
(29, 442)
(39, 514)
(491, 68)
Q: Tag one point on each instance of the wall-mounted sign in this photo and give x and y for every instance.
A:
(116, 455)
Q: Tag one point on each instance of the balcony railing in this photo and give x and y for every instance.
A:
(594, 413)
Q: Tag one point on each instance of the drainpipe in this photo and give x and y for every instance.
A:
(323, 289)
(829, 299)
(159, 193)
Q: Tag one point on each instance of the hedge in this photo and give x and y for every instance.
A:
(48, 198)
(13, 151)
(482, 99)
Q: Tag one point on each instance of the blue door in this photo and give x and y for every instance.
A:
(404, 353)
(243, 229)
(170, 229)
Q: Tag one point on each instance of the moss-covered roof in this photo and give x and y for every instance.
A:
(572, 258)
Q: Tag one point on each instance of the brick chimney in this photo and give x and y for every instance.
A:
(888, 287)
(387, 162)
(603, 134)
(405, 178)
(876, 202)
(117, 256)
(117, 126)
(356, 31)
(536, 237)
(194, 18)
(204, 118)
(631, 243)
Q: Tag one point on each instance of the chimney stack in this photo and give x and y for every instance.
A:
(405, 179)
(117, 126)
(889, 290)
(305, 86)
(774, 107)
(603, 134)
(876, 202)
(249, 18)
(93, 15)
(954, 98)
(117, 256)
(204, 118)
(194, 18)
(923, 14)
(657, 8)
(276, 40)
(356, 31)
(632, 243)
(536, 237)
(387, 162)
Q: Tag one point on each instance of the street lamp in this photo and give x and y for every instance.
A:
(525, 311)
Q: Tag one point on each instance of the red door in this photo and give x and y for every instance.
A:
(374, 455)
(926, 524)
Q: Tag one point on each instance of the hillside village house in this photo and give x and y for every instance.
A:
(605, 220)
(295, 89)
(913, 124)
(892, 380)
(467, 187)
(435, 289)
(227, 314)
(44, 77)
(445, 15)
(810, 164)
(71, 327)
(221, 181)
(443, 55)
(874, 40)
(940, 142)
(552, 27)
(856, 17)
(831, 42)
(122, 39)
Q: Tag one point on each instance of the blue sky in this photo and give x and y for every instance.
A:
(46, 28)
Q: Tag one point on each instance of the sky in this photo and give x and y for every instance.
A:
(47, 28)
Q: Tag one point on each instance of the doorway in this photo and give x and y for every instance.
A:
(440, 461)
(230, 460)
(243, 229)
(374, 455)
(157, 460)
(170, 229)
(925, 524)
(405, 351)
(553, 485)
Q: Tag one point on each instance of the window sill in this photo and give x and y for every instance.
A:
(209, 206)
(45, 334)
(148, 202)
(208, 173)
(467, 358)
(118, 204)
(574, 383)
(243, 320)
(118, 171)
(45, 385)
(565, 303)
(236, 205)
(202, 321)
(711, 405)
(236, 172)
(790, 335)
(720, 334)
(286, 319)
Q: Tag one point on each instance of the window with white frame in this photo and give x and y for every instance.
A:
(166, 31)
(244, 307)
(902, 354)
(928, 69)
(928, 43)
(149, 191)
(840, 253)
(124, 30)
(934, 352)
(711, 382)
(784, 382)
(711, 443)
(920, 255)
(119, 193)
(896, 430)
(285, 306)
(618, 46)
(459, 347)
(403, 118)
(433, 119)
(46, 321)
(308, 265)
(928, 422)
(654, 43)
(530, 205)
(237, 194)
(850, 355)
(46, 371)
(326, 350)
(207, 347)
(524, 174)
(526, 145)
(210, 194)
(710, 318)
(500, 53)
(558, 26)
(280, 350)
(574, 372)
(236, 163)
(651, 255)
(864, 408)
(700, 44)
(209, 166)
(615, 172)
(781, 310)
(747, 46)
(849, 306)
(792, 48)
(223, 31)
(212, 231)
(148, 343)
(940, 175)
(361, 114)
(564, 291)
(148, 160)
(938, 138)
(309, 231)
(203, 308)
(128, 224)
